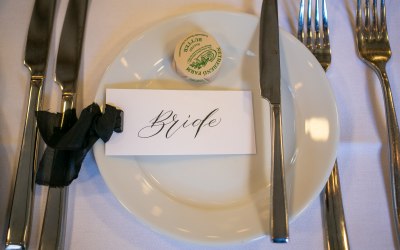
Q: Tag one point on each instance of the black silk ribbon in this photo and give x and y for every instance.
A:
(68, 145)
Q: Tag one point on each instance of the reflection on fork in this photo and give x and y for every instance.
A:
(374, 49)
(318, 43)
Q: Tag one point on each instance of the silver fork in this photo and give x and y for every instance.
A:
(374, 49)
(318, 43)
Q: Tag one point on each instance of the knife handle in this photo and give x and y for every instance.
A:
(53, 229)
(21, 204)
(279, 211)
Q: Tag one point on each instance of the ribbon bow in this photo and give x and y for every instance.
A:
(68, 145)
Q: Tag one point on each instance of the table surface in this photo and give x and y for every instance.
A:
(96, 220)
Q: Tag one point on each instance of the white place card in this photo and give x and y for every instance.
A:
(182, 122)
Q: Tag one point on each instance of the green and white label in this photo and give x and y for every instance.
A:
(198, 57)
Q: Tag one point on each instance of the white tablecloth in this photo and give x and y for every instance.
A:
(96, 220)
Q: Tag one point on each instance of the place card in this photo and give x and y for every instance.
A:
(182, 122)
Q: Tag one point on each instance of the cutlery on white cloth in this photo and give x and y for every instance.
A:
(67, 71)
(36, 54)
(374, 49)
(270, 83)
(318, 43)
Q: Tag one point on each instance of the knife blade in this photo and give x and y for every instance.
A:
(270, 84)
(36, 55)
(67, 72)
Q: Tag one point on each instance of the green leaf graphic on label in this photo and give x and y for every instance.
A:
(202, 57)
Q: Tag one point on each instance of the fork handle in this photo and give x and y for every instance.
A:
(21, 205)
(335, 226)
(394, 145)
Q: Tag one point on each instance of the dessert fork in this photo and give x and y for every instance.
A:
(318, 43)
(374, 49)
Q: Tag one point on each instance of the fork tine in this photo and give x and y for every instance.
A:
(325, 25)
(367, 16)
(309, 30)
(383, 17)
(358, 16)
(316, 25)
(374, 16)
(300, 23)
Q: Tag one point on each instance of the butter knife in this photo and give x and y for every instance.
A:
(36, 54)
(270, 83)
(67, 71)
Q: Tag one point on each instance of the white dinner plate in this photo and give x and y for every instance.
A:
(225, 198)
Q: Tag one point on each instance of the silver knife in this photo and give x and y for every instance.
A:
(67, 71)
(36, 54)
(270, 83)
